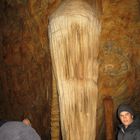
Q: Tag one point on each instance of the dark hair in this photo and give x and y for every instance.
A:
(125, 107)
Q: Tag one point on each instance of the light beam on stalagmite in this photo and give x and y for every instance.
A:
(74, 36)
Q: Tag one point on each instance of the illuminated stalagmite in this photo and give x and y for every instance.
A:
(74, 36)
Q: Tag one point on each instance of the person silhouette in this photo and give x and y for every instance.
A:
(129, 129)
(17, 130)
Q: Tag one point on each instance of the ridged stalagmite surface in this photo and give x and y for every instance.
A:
(74, 32)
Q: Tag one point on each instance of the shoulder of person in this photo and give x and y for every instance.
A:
(2, 122)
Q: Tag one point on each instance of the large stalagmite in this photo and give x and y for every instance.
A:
(74, 36)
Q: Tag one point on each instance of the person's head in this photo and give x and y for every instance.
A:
(125, 114)
(15, 130)
(26, 122)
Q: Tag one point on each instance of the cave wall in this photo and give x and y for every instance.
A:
(119, 56)
(119, 50)
(25, 65)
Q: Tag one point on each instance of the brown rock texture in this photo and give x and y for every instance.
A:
(119, 55)
(25, 66)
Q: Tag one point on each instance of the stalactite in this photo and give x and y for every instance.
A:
(74, 35)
